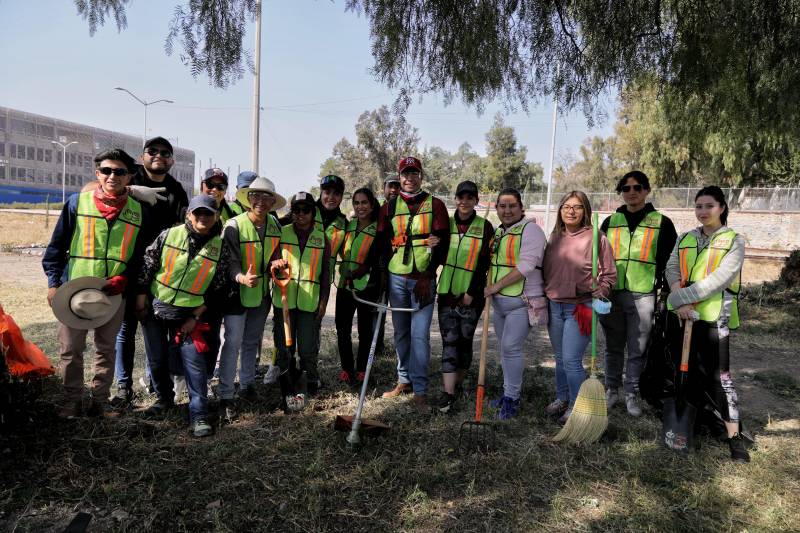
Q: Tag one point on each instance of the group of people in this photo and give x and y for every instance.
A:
(201, 276)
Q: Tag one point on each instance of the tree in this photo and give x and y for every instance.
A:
(381, 140)
(505, 162)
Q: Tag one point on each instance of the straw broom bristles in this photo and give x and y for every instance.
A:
(589, 417)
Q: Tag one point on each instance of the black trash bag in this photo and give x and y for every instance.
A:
(657, 380)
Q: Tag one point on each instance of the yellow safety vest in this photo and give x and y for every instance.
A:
(505, 257)
(302, 292)
(635, 253)
(335, 234)
(462, 257)
(356, 248)
(99, 248)
(417, 228)
(182, 282)
(257, 252)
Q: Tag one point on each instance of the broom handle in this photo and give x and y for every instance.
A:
(482, 365)
(595, 246)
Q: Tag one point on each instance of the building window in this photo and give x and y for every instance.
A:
(2, 149)
(58, 157)
(31, 153)
(71, 160)
(46, 132)
(23, 126)
(2, 123)
(40, 154)
(12, 150)
(2, 171)
(48, 155)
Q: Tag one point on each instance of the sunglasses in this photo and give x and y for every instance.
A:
(219, 186)
(259, 196)
(152, 152)
(302, 209)
(627, 188)
(107, 171)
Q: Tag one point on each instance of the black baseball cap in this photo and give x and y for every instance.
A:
(215, 173)
(158, 140)
(332, 181)
(302, 198)
(467, 187)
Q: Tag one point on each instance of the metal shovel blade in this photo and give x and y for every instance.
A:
(678, 425)
(368, 426)
(475, 437)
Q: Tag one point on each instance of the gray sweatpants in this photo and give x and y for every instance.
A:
(511, 327)
(628, 323)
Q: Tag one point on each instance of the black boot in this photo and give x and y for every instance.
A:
(738, 450)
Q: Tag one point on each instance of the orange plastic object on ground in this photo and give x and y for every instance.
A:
(24, 359)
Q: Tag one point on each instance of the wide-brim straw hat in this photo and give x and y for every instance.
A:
(261, 185)
(80, 303)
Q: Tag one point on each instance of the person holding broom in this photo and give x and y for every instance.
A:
(515, 282)
(359, 255)
(704, 273)
(568, 285)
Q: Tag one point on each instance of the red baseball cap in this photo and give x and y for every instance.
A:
(408, 162)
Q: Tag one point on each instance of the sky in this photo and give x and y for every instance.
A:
(315, 83)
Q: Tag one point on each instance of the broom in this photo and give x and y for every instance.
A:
(589, 417)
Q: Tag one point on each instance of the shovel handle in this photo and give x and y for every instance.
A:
(282, 283)
(687, 344)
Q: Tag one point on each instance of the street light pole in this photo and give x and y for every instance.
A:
(64, 168)
(145, 104)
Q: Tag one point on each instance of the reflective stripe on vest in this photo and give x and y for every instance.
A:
(505, 255)
(462, 257)
(182, 282)
(302, 292)
(99, 248)
(356, 248)
(635, 253)
(419, 258)
(256, 252)
(696, 266)
(335, 234)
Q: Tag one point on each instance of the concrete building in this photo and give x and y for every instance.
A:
(31, 166)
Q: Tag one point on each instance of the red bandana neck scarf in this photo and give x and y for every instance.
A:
(109, 205)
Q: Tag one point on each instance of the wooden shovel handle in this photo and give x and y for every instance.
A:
(687, 344)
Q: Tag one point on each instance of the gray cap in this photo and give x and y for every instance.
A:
(203, 201)
(391, 179)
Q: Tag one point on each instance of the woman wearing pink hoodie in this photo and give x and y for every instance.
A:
(568, 284)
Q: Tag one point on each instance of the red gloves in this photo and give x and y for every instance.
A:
(115, 285)
(583, 316)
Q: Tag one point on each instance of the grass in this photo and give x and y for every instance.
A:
(33, 205)
(21, 229)
(270, 471)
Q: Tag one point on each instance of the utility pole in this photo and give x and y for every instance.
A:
(552, 158)
(256, 90)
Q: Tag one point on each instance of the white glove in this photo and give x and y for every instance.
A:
(149, 195)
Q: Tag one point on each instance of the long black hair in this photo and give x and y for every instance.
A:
(372, 201)
(717, 194)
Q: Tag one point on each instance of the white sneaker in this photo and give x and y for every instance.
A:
(179, 388)
(612, 397)
(632, 403)
(271, 375)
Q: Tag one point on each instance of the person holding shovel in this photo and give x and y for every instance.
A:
(515, 284)
(251, 239)
(460, 289)
(568, 285)
(704, 273)
(185, 278)
(305, 252)
(359, 255)
(642, 239)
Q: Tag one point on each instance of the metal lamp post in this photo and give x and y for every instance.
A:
(145, 104)
(64, 168)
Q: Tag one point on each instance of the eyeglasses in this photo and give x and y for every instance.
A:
(107, 171)
(301, 209)
(259, 196)
(152, 152)
(219, 186)
(572, 208)
(627, 188)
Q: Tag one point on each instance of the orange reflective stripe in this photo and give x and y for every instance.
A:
(616, 240)
(510, 259)
(201, 276)
(713, 261)
(646, 242)
(684, 266)
(361, 256)
(401, 225)
(314, 257)
(473, 254)
(88, 242)
(425, 225)
(250, 255)
(126, 241)
(169, 265)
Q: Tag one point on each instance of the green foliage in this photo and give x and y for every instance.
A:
(506, 164)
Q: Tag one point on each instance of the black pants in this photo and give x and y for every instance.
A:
(709, 380)
(457, 325)
(346, 307)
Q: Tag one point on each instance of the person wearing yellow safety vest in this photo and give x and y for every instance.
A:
(305, 250)
(405, 228)
(642, 239)
(329, 216)
(96, 235)
(185, 277)
(704, 273)
(515, 283)
(251, 238)
(244, 179)
(358, 257)
(214, 184)
(460, 290)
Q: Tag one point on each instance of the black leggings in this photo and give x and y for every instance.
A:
(710, 380)
(346, 307)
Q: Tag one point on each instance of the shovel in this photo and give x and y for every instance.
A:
(475, 435)
(679, 414)
(355, 423)
(294, 401)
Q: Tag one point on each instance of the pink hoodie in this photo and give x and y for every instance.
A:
(567, 267)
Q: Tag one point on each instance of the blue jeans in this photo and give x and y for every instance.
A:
(243, 335)
(157, 346)
(412, 333)
(126, 347)
(195, 368)
(568, 347)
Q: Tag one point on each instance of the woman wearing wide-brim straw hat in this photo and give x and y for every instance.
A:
(515, 284)
(568, 285)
